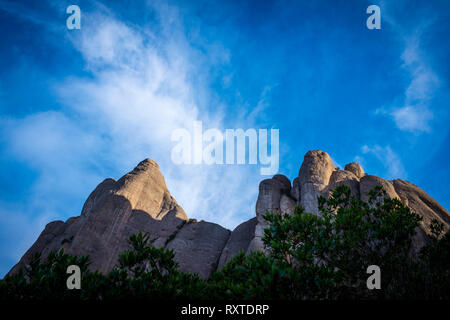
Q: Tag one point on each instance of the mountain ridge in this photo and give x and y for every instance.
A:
(140, 201)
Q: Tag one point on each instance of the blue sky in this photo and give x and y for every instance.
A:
(77, 106)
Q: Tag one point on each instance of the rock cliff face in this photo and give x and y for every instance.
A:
(140, 201)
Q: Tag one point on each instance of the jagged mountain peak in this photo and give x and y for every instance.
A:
(140, 201)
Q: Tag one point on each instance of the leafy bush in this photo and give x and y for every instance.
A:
(43, 280)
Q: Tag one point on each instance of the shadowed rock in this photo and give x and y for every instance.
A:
(295, 191)
(273, 194)
(369, 182)
(198, 246)
(421, 203)
(239, 240)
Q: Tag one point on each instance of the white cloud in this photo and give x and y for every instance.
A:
(414, 114)
(390, 160)
(140, 89)
(258, 112)
(413, 118)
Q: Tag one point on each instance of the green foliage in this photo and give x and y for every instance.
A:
(307, 257)
(144, 258)
(144, 272)
(248, 277)
(330, 253)
(326, 256)
(43, 279)
(435, 264)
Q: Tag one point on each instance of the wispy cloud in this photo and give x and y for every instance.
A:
(413, 118)
(390, 160)
(414, 114)
(141, 86)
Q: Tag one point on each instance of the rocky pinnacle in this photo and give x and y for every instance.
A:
(140, 201)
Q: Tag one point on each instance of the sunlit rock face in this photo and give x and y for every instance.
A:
(319, 177)
(140, 201)
(344, 177)
(314, 177)
(356, 169)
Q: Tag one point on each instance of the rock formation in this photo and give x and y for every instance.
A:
(314, 177)
(140, 201)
